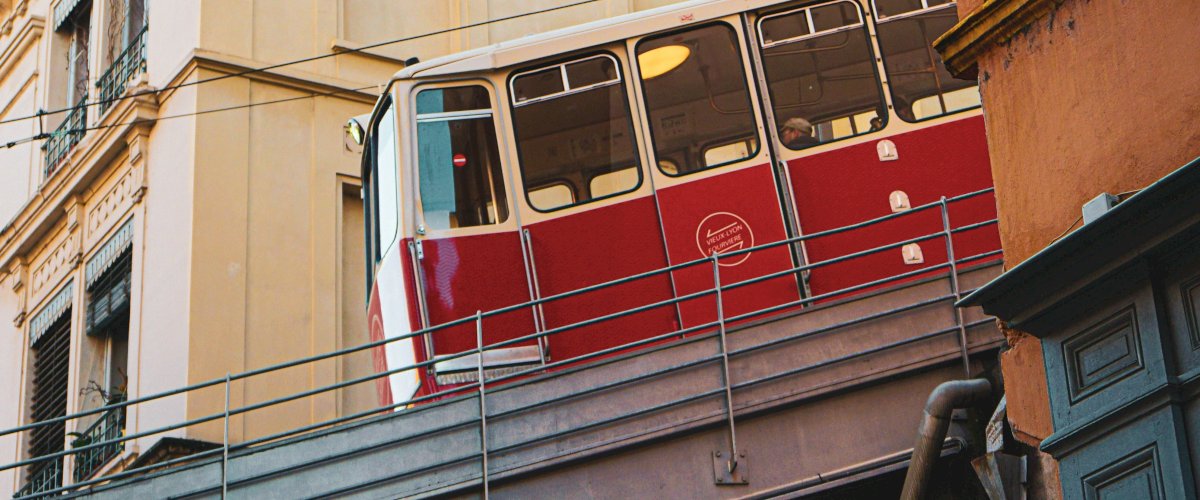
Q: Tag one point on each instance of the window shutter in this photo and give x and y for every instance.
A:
(109, 296)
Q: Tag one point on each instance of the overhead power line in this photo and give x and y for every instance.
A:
(195, 113)
(296, 61)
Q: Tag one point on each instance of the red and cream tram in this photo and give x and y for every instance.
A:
(555, 162)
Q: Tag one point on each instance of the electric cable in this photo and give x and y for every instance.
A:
(194, 113)
(362, 49)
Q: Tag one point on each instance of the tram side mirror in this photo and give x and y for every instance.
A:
(354, 135)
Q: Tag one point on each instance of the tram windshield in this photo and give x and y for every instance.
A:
(574, 132)
(821, 73)
(921, 86)
(458, 161)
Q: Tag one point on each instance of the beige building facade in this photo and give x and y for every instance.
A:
(187, 217)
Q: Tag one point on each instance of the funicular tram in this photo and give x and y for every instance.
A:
(510, 177)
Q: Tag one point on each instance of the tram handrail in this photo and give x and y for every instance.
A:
(478, 385)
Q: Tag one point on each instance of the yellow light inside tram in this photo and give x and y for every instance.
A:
(656, 62)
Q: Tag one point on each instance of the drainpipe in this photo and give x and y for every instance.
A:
(934, 423)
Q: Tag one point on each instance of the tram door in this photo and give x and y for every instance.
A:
(713, 177)
(468, 246)
(824, 85)
(591, 216)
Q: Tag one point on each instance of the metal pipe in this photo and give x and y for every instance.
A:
(483, 448)
(225, 445)
(954, 288)
(733, 451)
(934, 423)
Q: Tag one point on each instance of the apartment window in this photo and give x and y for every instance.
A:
(78, 28)
(50, 341)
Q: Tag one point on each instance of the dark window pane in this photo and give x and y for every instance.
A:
(461, 182)
(784, 27)
(885, 8)
(534, 85)
(453, 99)
(566, 141)
(591, 72)
(700, 103)
(920, 85)
(833, 16)
(824, 88)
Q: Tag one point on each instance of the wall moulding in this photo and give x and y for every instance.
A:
(56, 261)
(993, 22)
(110, 205)
(87, 166)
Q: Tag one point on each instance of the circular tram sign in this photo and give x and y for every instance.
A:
(721, 233)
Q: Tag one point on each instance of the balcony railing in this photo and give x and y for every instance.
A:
(48, 476)
(132, 61)
(107, 429)
(66, 136)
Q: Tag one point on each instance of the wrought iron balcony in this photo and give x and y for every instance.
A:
(131, 62)
(46, 476)
(109, 427)
(66, 136)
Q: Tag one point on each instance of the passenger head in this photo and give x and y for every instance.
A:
(795, 128)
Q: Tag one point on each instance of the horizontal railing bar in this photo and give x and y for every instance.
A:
(422, 364)
(599, 319)
(434, 329)
(835, 260)
(718, 391)
(464, 320)
(976, 225)
(238, 376)
(596, 354)
(690, 364)
(765, 246)
(891, 345)
(463, 388)
(603, 387)
(232, 412)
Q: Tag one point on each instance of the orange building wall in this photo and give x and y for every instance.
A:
(1097, 96)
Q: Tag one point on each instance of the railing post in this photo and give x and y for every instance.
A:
(731, 464)
(225, 444)
(954, 288)
(482, 401)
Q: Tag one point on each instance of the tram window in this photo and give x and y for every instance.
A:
(458, 169)
(574, 132)
(612, 182)
(696, 94)
(824, 74)
(554, 195)
(385, 178)
(921, 87)
(726, 153)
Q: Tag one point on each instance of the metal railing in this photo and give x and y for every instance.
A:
(480, 388)
(66, 136)
(108, 428)
(130, 63)
(47, 476)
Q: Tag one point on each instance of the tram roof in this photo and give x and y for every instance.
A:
(541, 45)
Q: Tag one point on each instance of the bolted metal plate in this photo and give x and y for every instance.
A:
(721, 473)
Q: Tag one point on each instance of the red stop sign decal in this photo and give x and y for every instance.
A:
(459, 160)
